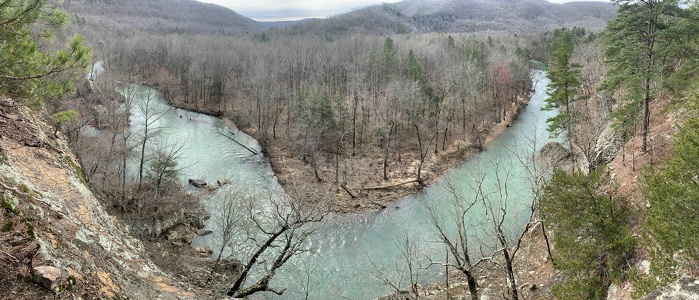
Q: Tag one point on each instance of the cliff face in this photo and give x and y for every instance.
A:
(50, 218)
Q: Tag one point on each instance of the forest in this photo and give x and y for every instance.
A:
(351, 122)
(333, 103)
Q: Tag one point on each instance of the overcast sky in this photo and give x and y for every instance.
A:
(279, 10)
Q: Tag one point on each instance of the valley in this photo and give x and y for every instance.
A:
(418, 149)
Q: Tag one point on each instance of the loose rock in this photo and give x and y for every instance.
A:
(204, 250)
(48, 276)
(203, 232)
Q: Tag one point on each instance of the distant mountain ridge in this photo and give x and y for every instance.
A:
(419, 16)
(522, 15)
(160, 16)
(452, 16)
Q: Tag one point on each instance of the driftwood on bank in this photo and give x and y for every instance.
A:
(198, 183)
(385, 187)
(344, 187)
(232, 138)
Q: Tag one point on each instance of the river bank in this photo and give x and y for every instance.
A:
(351, 245)
(357, 182)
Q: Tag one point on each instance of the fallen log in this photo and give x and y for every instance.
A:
(198, 183)
(232, 138)
(385, 187)
(344, 187)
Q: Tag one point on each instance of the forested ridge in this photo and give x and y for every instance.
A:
(126, 17)
(413, 16)
(420, 16)
(353, 119)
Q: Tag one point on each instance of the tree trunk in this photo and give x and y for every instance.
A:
(511, 274)
(546, 239)
(472, 286)
(123, 173)
(276, 121)
(314, 164)
(253, 259)
(344, 187)
(354, 125)
(142, 159)
(650, 48)
(385, 165)
(386, 152)
(444, 140)
(646, 114)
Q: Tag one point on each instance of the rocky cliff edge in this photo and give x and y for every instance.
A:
(57, 240)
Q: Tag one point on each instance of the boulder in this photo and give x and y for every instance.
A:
(553, 154)
(180, 235)
(48, 276)
(608, 144)
(203, 232)
(203, 250)
(222, 182)
(685, 288)
(198, 183)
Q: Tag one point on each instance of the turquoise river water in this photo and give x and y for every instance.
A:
(351, 256)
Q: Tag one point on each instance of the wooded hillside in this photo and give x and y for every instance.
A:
(99, 18)
(451, 16)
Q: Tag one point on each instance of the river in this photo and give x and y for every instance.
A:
(351, 255)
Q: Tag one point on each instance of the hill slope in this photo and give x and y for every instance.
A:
(158, 16)
(453, 16)
(503, 15)
(450, 16)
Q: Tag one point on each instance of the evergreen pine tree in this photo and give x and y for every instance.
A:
(591, 237)
(637, 42)
(561, 91)
(27, 70)
(673, 192)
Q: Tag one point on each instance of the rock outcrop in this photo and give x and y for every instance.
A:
(686, 288)
(554, 155)
(608, 144)
(56, 232)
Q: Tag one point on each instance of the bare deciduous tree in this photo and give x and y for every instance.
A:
(150, 113)
(404, 279)
(458, 231)
(275, 230)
